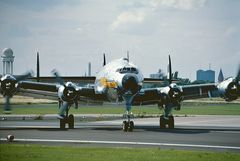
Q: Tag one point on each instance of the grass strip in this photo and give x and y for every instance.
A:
(187, 109)
(29, 152)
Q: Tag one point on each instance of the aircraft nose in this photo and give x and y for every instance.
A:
(130, 83)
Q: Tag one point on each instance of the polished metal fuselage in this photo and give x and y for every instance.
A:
(109, 80)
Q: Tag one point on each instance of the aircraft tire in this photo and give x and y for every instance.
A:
(171, 122)
(131, 126)
(62, 123)
(162, 122)
(71, 121)
(125, 126)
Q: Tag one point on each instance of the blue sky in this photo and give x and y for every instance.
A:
(69, 33)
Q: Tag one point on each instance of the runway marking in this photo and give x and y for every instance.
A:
(125, 143)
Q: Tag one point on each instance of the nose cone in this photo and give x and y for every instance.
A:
(130, 84)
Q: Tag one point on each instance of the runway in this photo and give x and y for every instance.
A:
(219, 133)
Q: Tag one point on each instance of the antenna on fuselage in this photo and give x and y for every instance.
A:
(128, 56)
(38, 69)
(104, 59)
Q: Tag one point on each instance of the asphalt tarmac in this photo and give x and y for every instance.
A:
(217, 133)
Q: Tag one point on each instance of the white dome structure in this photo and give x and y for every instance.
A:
(7, 59)
(8, 52)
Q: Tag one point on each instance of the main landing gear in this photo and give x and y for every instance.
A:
(166, 122)
(67, 120)
(128, 125)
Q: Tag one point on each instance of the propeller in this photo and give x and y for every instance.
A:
(173, 92)
(237, 80)
(234, 87)
(9, 86)
(238, 75)
(67, 93)
(57, 77)
(169, 70)
(104, 59)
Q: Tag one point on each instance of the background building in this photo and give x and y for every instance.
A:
(208, 75)
(159, 75)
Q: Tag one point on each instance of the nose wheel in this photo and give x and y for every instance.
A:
(128, 126)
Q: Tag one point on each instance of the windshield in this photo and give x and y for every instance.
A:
(127, 70)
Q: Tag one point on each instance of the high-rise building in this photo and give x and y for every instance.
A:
(208, 75)
(220, 76)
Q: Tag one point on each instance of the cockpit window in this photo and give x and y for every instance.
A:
(127, 70)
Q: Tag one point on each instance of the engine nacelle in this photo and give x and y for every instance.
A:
(229, 89)
(174, 94)
(67, 92)
(8, 85)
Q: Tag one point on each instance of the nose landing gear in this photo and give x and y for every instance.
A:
(128, 126)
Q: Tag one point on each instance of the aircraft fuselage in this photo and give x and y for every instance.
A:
(118, 78)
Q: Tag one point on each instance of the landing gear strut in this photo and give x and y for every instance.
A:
(128, 125)
(166, 121)
(67, 120)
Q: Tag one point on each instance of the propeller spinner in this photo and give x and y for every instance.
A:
(9, 86)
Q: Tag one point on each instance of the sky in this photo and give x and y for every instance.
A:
(70, 33)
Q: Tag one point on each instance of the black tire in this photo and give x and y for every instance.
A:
(171, 122)
(62, 123)
(71, 121)
(131, 126)
(125, 126)
(162, 122)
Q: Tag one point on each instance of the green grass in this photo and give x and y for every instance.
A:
(19, 152)
(187, 109)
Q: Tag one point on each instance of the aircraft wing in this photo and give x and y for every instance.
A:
(199, 91)
(159, 95)
(75, 79)
(38, 90)
(51, 90)
(156, 80)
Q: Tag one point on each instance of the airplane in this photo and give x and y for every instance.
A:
(121, 81)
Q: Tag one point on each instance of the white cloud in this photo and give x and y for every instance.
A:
(138, 13)
(178, 4)
(126, 18)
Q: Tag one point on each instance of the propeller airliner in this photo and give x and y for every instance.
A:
(121, 81)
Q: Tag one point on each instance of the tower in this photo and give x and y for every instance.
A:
(7, 59)
(220, 76)
(89, 69)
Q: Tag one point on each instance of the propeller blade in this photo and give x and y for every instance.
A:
(38, 68)
(104, 59)
(7, 108)
(238, 75)
(58, 78)
(63, 109)
(169, 69)
(24, 76)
